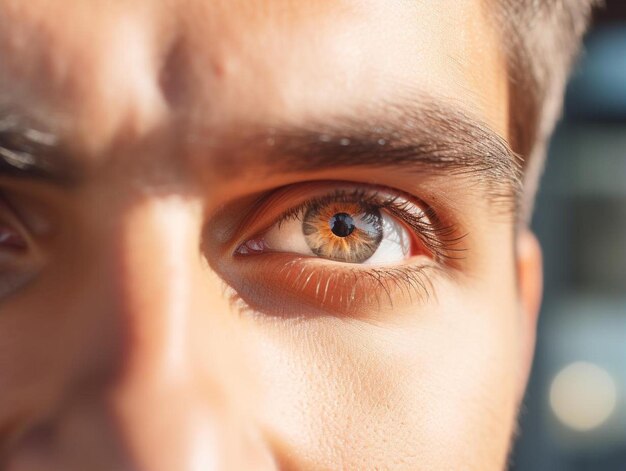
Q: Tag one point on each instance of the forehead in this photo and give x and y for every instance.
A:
(110, 69)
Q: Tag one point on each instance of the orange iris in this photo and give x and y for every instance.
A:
(346, 232)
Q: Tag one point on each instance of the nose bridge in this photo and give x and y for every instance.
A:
(183, 388)
(171, 304)
(158, 270)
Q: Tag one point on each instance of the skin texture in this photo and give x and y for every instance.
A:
(140, 341)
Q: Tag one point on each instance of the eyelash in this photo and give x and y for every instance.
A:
(352, 289)
(440, 239)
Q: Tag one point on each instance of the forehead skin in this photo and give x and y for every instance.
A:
(126, 83)
(113, 68)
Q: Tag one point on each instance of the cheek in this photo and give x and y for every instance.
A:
(437, 392)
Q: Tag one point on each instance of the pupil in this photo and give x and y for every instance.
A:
(342, 224)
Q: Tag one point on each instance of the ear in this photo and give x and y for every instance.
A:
(530, 280)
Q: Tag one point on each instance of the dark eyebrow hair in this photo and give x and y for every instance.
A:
(420, 136)
(432, 139)
(27, 151)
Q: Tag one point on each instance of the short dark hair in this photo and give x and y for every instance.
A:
(541, 39)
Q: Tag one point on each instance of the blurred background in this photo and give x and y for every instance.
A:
(574, 417)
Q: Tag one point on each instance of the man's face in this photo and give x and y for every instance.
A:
(258, 235)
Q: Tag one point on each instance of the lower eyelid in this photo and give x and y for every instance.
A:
(281, 285)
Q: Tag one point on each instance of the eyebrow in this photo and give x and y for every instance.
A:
(420, 136)
(27, 151)
(429, 138)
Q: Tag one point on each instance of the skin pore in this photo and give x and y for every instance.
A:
(154, 311)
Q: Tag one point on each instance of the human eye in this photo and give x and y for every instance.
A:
(350, 226)
(11, 241)
(349, 242)
(17, 263)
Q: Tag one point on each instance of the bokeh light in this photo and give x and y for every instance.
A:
(583, 396)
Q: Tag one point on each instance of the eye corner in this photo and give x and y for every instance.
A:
(11, 239)
(252, 246)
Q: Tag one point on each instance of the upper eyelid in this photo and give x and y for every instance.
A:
(381, 198)
(256, 220)
(320, 200)
(444, 240)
